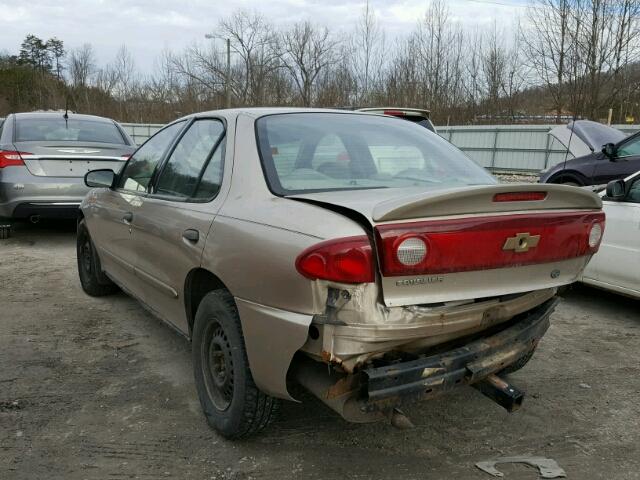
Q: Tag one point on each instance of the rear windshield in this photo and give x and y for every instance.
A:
(314, 152)
(57, 129)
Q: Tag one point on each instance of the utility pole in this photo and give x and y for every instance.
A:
(227, 80)
(227, 73)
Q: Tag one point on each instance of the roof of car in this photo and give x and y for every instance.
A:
(60, 113)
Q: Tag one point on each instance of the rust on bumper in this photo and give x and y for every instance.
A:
(392, 385)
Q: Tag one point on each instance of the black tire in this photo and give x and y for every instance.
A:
(5, 230)
(231, 402)
(571, 180)
(93, 280)
(522, 361)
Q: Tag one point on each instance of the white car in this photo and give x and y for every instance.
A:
(616, 266)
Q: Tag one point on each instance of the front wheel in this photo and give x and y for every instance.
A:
(231, 402)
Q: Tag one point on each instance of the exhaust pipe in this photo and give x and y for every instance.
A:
(339, 392)
(34, 219)
(501, 392)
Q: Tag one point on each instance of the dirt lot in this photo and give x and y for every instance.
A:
(98, 388)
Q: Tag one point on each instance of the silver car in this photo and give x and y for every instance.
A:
(45, 155)
(365, 258)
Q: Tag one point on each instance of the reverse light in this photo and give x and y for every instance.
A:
(595, 235)
(411, 251)
(11, 158)
(345, 260)
(519, 196)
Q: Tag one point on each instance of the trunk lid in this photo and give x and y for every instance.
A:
(71, 159)
(480, 241)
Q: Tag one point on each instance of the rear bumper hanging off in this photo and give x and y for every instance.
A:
(392, 385)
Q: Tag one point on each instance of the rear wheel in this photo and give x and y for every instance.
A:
(94, 282)
(231, 402)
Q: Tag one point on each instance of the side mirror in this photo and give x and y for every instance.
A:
(616, 190)
(609, 150)
(100, 178)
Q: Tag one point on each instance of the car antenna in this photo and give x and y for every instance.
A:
(566, 154)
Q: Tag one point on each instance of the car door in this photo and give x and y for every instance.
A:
(626, 162)
(617, 264)
(174, 220)
(112, 221)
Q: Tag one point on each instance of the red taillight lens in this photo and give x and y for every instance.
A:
(345, 260)
(11, 158)
(482, 243)
(395, 113)
(519, 196)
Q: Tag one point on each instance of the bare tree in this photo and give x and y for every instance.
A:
(254, 43)
(81, 64)
(367, 53)
(307, 51)
(548, 45)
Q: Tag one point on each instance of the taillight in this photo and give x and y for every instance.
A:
(344, 260)
(126, 156)
(482, 243)
(519, 196)
(11, 158)
(394, 113)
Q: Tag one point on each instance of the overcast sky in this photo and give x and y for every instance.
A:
(146, 27)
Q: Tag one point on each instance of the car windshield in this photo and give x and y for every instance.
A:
(314, 152)
(57, 129)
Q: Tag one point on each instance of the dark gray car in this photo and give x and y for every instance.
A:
(45, 155)
(596, 154)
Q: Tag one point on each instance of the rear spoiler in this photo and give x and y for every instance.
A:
(480, 199)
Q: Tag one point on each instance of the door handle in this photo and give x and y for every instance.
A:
(127, 217)
(191, 235)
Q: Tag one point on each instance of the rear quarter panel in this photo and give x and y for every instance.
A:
(256, 236)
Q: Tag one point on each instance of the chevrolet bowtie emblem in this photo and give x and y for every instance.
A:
(522, 242)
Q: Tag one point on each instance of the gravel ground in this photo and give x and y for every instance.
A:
(516, 178)
(99, 389)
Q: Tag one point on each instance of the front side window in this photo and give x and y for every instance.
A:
(634, 192)
(303, 152)
(57, 129)
(139, 170)
(181, 174)
(631, 148)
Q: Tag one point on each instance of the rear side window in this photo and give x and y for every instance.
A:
(139, 169)
(57, 129)
(194, 153)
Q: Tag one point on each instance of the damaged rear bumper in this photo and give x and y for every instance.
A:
(392, 385)
(372, 393)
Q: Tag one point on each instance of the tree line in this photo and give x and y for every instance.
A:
(562, 58)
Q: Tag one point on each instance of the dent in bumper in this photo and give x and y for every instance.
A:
(349, 341)
(465, 365)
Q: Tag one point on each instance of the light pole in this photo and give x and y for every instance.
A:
(227, 75)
